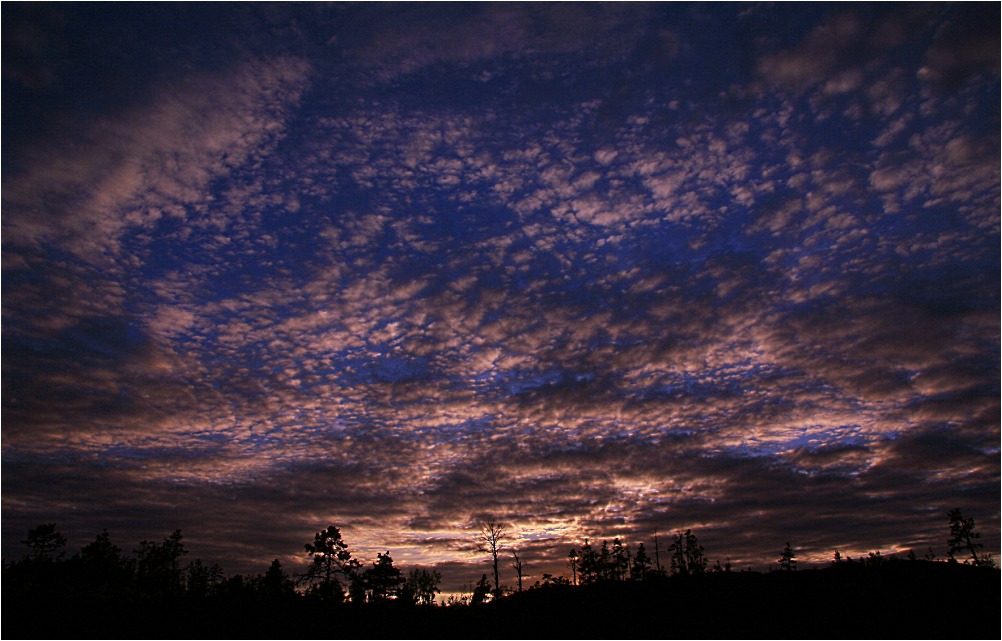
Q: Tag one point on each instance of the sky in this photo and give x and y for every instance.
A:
(596, 270)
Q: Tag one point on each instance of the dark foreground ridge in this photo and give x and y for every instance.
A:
(898, 599)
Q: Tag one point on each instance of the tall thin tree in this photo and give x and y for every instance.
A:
(492, 537)
(657, 553)
(519, 566)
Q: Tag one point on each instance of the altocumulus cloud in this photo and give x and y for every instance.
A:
(595, 270)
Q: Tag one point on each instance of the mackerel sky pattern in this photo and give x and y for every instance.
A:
(594, 269)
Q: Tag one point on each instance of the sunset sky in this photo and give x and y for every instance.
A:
(594, 269)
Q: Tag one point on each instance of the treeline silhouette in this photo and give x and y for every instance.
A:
(613, 592)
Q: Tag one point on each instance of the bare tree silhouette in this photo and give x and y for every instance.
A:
(492, 537)
(519, 566)
(657, 553)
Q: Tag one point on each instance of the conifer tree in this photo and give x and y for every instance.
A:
(589, 565)
(605, 562)
(381, 582)
(620, 561)
(481, 592)
(158, 566)
(45, 543)
(788, 560)
(104, 569)
(329, 558)
(963, 539)
(695, 559)
(641, 566)
(687, 554)
(275, 583)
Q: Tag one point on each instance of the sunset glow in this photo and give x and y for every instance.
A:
(598, 270)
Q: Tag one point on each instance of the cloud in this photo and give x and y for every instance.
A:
(963, 47)
(150, 161)
(276, 291)
(821, 52)
(411, 39)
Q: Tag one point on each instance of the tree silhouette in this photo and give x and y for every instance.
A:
(45, 543)
(657, 553)
(202, 580)
(605, 569)
(687, 554)
(101, 552)
(609, 563)
(492, 538)
(158, 566)
(379, 583)
(329, 558)
(619, 561)
(788, 559)
(678, 557)
(275, 583)
(549, 579)
(641, 566)
(518, 566)
(102, 593)
(42, 571)
(103, 569)
(481, 591)
(963, 538)
(589, 564)
(421, 586)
